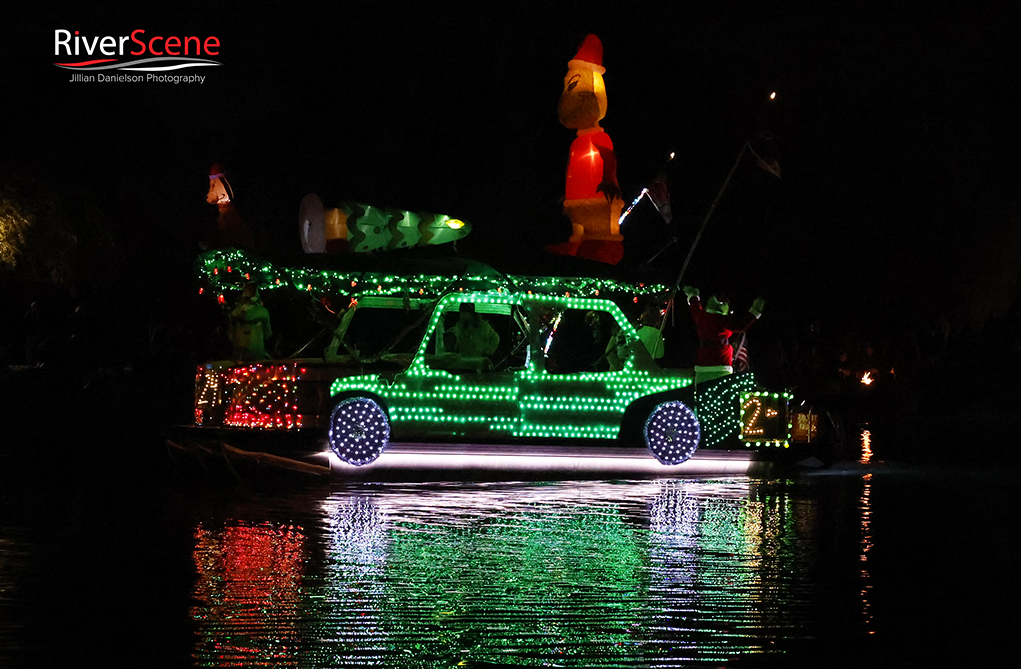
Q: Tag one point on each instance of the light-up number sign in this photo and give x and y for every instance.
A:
(764, 418)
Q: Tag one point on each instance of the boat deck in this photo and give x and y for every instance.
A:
(405, 461)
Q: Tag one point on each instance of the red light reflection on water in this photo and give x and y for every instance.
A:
(248, 593)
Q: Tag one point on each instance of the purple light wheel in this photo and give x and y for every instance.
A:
(359, 430)
(672, 432)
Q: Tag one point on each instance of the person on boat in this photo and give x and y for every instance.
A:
(714, 325)
(250, 327)
(617, 351)
(593, 342)
(648, 332)
(868, 368)
(845, 381)
(473, 336)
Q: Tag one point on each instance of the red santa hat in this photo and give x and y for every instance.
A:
(589, 56)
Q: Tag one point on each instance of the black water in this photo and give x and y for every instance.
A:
(860, 565)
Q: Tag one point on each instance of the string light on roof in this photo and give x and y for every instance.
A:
(213, 264)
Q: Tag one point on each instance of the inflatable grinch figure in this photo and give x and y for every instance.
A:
(363, 228)
(715, 325)
(592, 195)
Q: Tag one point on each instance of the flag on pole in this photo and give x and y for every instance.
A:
(770, 166)
(741, 355)
(659, 193)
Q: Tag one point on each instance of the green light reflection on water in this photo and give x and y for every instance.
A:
(652, 574)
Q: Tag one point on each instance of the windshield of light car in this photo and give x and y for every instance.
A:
(373, 332)
(490, 339)
(578, 340)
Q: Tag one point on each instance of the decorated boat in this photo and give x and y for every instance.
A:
(470, 373)
(458, 371)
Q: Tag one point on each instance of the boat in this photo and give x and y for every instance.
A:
(562, 387)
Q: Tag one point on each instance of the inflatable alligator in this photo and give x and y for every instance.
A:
(361, 228)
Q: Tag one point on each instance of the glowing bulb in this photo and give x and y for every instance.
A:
(772, 96)
(455, 223)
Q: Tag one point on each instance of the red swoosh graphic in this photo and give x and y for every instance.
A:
(88, 62)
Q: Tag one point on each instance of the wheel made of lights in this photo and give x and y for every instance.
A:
(359, 430)
(672, 432)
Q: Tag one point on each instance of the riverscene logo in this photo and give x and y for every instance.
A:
(155, 56)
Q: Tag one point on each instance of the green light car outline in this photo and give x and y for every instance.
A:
(430, 402)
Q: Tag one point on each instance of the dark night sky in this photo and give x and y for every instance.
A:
(895, 132)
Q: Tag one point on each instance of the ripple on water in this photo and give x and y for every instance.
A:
(15, 565)
(655, 573)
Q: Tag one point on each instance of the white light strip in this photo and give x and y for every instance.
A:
(554, 465)
(645, 191)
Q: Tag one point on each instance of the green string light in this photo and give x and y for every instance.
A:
(718, 406)
(229, 270)
(588, 405)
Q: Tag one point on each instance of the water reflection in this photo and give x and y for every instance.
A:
(866, 446)
(865, 506)
(350, 598)
(15, 558)
(660, 574)
(721, 559)
(248, 594)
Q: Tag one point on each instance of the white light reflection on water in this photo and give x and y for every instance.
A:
(650, 574)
